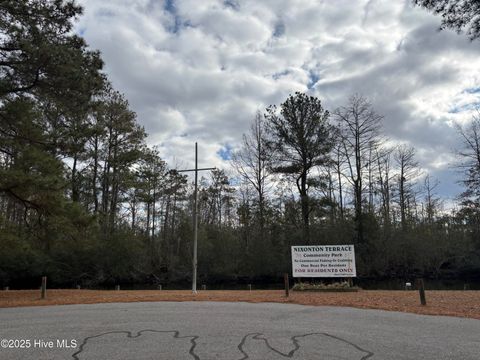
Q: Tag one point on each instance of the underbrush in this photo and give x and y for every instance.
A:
(336, 286)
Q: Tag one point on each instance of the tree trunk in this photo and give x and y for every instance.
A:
(75, 192)
(305, 209)
(95, 175)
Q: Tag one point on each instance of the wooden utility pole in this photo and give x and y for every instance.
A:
(195, 218)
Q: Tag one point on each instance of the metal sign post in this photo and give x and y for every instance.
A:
(195, 218)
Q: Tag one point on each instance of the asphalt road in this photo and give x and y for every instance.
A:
(233, 331)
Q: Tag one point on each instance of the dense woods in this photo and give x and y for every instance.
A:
(84, 200)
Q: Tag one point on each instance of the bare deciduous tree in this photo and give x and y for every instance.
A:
(360, 128)
(432, 202)
(470, 161)
(384, 183)
(252, 162)
(408, 171)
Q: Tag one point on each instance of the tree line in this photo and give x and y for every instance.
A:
(84, 200)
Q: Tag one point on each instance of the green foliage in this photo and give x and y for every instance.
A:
(84, 200)
(458, 15)
(19, 260)
(299, 139)
(40, 56)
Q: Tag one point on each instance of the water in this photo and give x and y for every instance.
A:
(367, 284)
(430, 284)
(268, 284)
(188, 286)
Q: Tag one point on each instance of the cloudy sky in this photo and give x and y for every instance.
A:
(198, 70)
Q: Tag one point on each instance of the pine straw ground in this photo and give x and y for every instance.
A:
(452, 303)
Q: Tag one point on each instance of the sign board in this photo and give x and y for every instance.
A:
(323, 261)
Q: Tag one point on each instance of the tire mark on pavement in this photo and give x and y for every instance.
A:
(176, 335)
(296, 344)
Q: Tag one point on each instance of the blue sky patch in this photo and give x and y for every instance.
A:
(170, 7)
(473, 90)
(232, 4)
(172, 10)
(279, 30)
(313, 78)
(466, 107)
(225, 152)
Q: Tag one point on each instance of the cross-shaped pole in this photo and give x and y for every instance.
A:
(195, 218)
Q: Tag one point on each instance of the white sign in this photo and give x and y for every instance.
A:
(323, 261)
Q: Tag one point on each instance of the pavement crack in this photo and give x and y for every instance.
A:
(296, 345)
(129, 334)
(241, 346)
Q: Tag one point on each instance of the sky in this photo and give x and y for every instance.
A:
(199, 70)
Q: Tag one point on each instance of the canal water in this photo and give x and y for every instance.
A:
(367, 284)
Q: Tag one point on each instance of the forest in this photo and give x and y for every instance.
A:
(85, 201)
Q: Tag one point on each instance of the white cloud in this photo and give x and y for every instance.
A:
(199, 70)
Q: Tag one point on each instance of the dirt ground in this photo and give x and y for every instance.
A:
(452, 303)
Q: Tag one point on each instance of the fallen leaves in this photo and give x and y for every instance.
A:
(452, 303)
